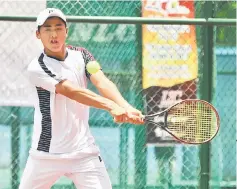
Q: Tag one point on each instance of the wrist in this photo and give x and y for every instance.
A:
(111, 106)
(126, 106)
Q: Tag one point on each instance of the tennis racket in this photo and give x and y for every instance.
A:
(189, 121)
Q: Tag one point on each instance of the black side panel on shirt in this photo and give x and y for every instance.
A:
(46, 70)
(87, 56)
(44, 104)
(46, 122)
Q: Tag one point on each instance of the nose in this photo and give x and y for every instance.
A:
(54, 34)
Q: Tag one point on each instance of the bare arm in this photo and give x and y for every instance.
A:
(108, 89)
(41, 76)
(87, 97)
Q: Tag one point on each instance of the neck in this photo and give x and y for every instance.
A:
(61, 55)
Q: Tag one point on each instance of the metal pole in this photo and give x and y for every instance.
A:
(130, 20)
(206, 87)
(15, 147)
(123, 165)
(140, 131)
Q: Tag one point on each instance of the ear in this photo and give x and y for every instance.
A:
(37, 34)
(66, 32)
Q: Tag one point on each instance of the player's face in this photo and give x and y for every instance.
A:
(53, 34)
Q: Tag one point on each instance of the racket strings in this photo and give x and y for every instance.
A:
(192, 122)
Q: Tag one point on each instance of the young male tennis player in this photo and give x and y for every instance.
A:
(62, 144)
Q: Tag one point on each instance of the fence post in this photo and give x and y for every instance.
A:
(206, 87)
(123, 149)
(15, 147)
(140, 131)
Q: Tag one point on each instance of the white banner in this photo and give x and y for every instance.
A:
(18, 46)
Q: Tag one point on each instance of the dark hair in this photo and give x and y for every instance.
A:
(53, 17)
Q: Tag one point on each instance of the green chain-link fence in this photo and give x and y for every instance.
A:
(119, 47)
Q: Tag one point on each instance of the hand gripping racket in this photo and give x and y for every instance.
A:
(189, 121)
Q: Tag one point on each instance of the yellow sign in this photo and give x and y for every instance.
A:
(169, 51)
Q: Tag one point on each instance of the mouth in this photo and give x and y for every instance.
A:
(54, 42)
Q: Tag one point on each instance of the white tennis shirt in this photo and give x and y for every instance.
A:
(60, 124)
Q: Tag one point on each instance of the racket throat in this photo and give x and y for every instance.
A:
(161, 120)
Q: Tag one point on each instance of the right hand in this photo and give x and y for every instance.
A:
(135, 115)
(119, 114)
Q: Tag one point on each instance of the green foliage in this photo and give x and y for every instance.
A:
(225, 35)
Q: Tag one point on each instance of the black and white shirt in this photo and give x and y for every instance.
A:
(60, 124)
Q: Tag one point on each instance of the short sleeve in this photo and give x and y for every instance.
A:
(43, 77)
(88, 57)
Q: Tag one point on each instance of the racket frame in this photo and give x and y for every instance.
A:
(164, 125)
